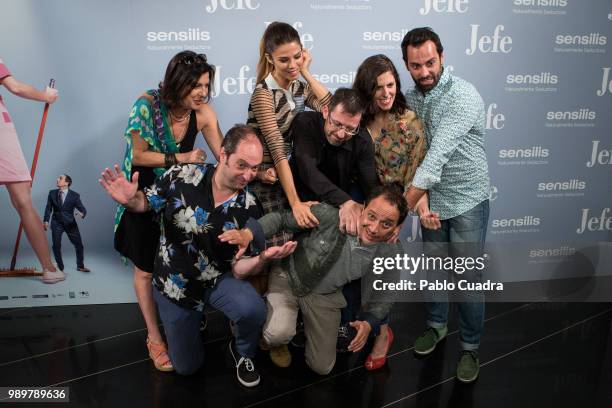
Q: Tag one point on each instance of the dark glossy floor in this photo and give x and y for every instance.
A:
(532, 355)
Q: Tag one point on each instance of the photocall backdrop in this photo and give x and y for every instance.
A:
(543, 68)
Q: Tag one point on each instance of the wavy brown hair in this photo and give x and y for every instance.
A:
(366, 82)
(182, 75)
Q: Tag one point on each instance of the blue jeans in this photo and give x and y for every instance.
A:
(469, 227)
(237, 299)
(352, 293)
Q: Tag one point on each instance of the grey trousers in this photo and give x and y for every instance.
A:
(321, 314)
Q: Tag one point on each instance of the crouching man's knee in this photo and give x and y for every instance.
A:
(321, 366)
(187, 366)
(278, 335)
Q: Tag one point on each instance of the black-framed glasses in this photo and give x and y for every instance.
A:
(339, 126)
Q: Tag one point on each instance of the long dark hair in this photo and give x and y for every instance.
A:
(276, 34)
(365, 82)
(182, 75)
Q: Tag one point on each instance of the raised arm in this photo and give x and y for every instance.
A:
(246, 267)
(263, 109)
(23, 90)
(122, 191)
(211, 130)
(317, 95)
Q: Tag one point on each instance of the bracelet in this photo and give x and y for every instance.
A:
(170, 159)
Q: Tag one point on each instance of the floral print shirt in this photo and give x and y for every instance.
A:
(455, 169)
(190, 256)
(400, 149)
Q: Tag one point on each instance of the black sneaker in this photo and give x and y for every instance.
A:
(245, 368)
(346, 334)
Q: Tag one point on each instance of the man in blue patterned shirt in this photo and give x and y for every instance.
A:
(455, 175)
(193, 267)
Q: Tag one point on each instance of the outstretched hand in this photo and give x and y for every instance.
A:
(278, 252)
(361, 338)
(117, 186)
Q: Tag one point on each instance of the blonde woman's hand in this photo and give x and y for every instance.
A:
(306, 60)
(267, 176)
(303, 216)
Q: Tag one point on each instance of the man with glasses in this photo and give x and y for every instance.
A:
(332, 157)
(332, 162)
(326, 259)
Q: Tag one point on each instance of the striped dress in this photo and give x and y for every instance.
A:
(271, 111)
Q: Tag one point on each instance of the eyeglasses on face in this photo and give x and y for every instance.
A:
(339, 126)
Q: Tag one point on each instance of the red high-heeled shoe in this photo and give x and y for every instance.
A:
(372, 364)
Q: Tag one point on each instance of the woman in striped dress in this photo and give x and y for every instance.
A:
(278, 97)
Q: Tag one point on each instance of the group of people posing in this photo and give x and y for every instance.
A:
(277, 234)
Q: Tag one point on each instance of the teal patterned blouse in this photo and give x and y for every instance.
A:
(152, 126)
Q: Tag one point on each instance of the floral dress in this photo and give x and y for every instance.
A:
(400, 149)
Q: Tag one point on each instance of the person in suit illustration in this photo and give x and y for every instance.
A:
(62, 204)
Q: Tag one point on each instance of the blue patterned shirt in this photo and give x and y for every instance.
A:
(455, 168)
(190, 256)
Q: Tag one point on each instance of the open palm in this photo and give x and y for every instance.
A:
(117, 186)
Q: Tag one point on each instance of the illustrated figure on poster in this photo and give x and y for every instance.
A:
(62, 206)
(15, 175)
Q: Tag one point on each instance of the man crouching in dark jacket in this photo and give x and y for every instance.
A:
(325, 259)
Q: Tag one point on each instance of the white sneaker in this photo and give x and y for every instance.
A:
(53, 277)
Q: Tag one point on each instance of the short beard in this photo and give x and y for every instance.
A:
(429, 87)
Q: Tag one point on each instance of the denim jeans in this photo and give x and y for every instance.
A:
(352, 294)
(460, 236)
(237, 299)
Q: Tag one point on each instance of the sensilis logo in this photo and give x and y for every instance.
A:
(543, 78)
(587, 39)
(541, 3)
(550, 252)
(191, 34)
(384, 35)
(533, 152)
(526, 221)
(581, 114)
(568, 185)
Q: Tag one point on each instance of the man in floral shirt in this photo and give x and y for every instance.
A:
(197, 204)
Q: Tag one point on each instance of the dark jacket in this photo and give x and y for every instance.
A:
(327, 173)
(63, 213)
(317, 251)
